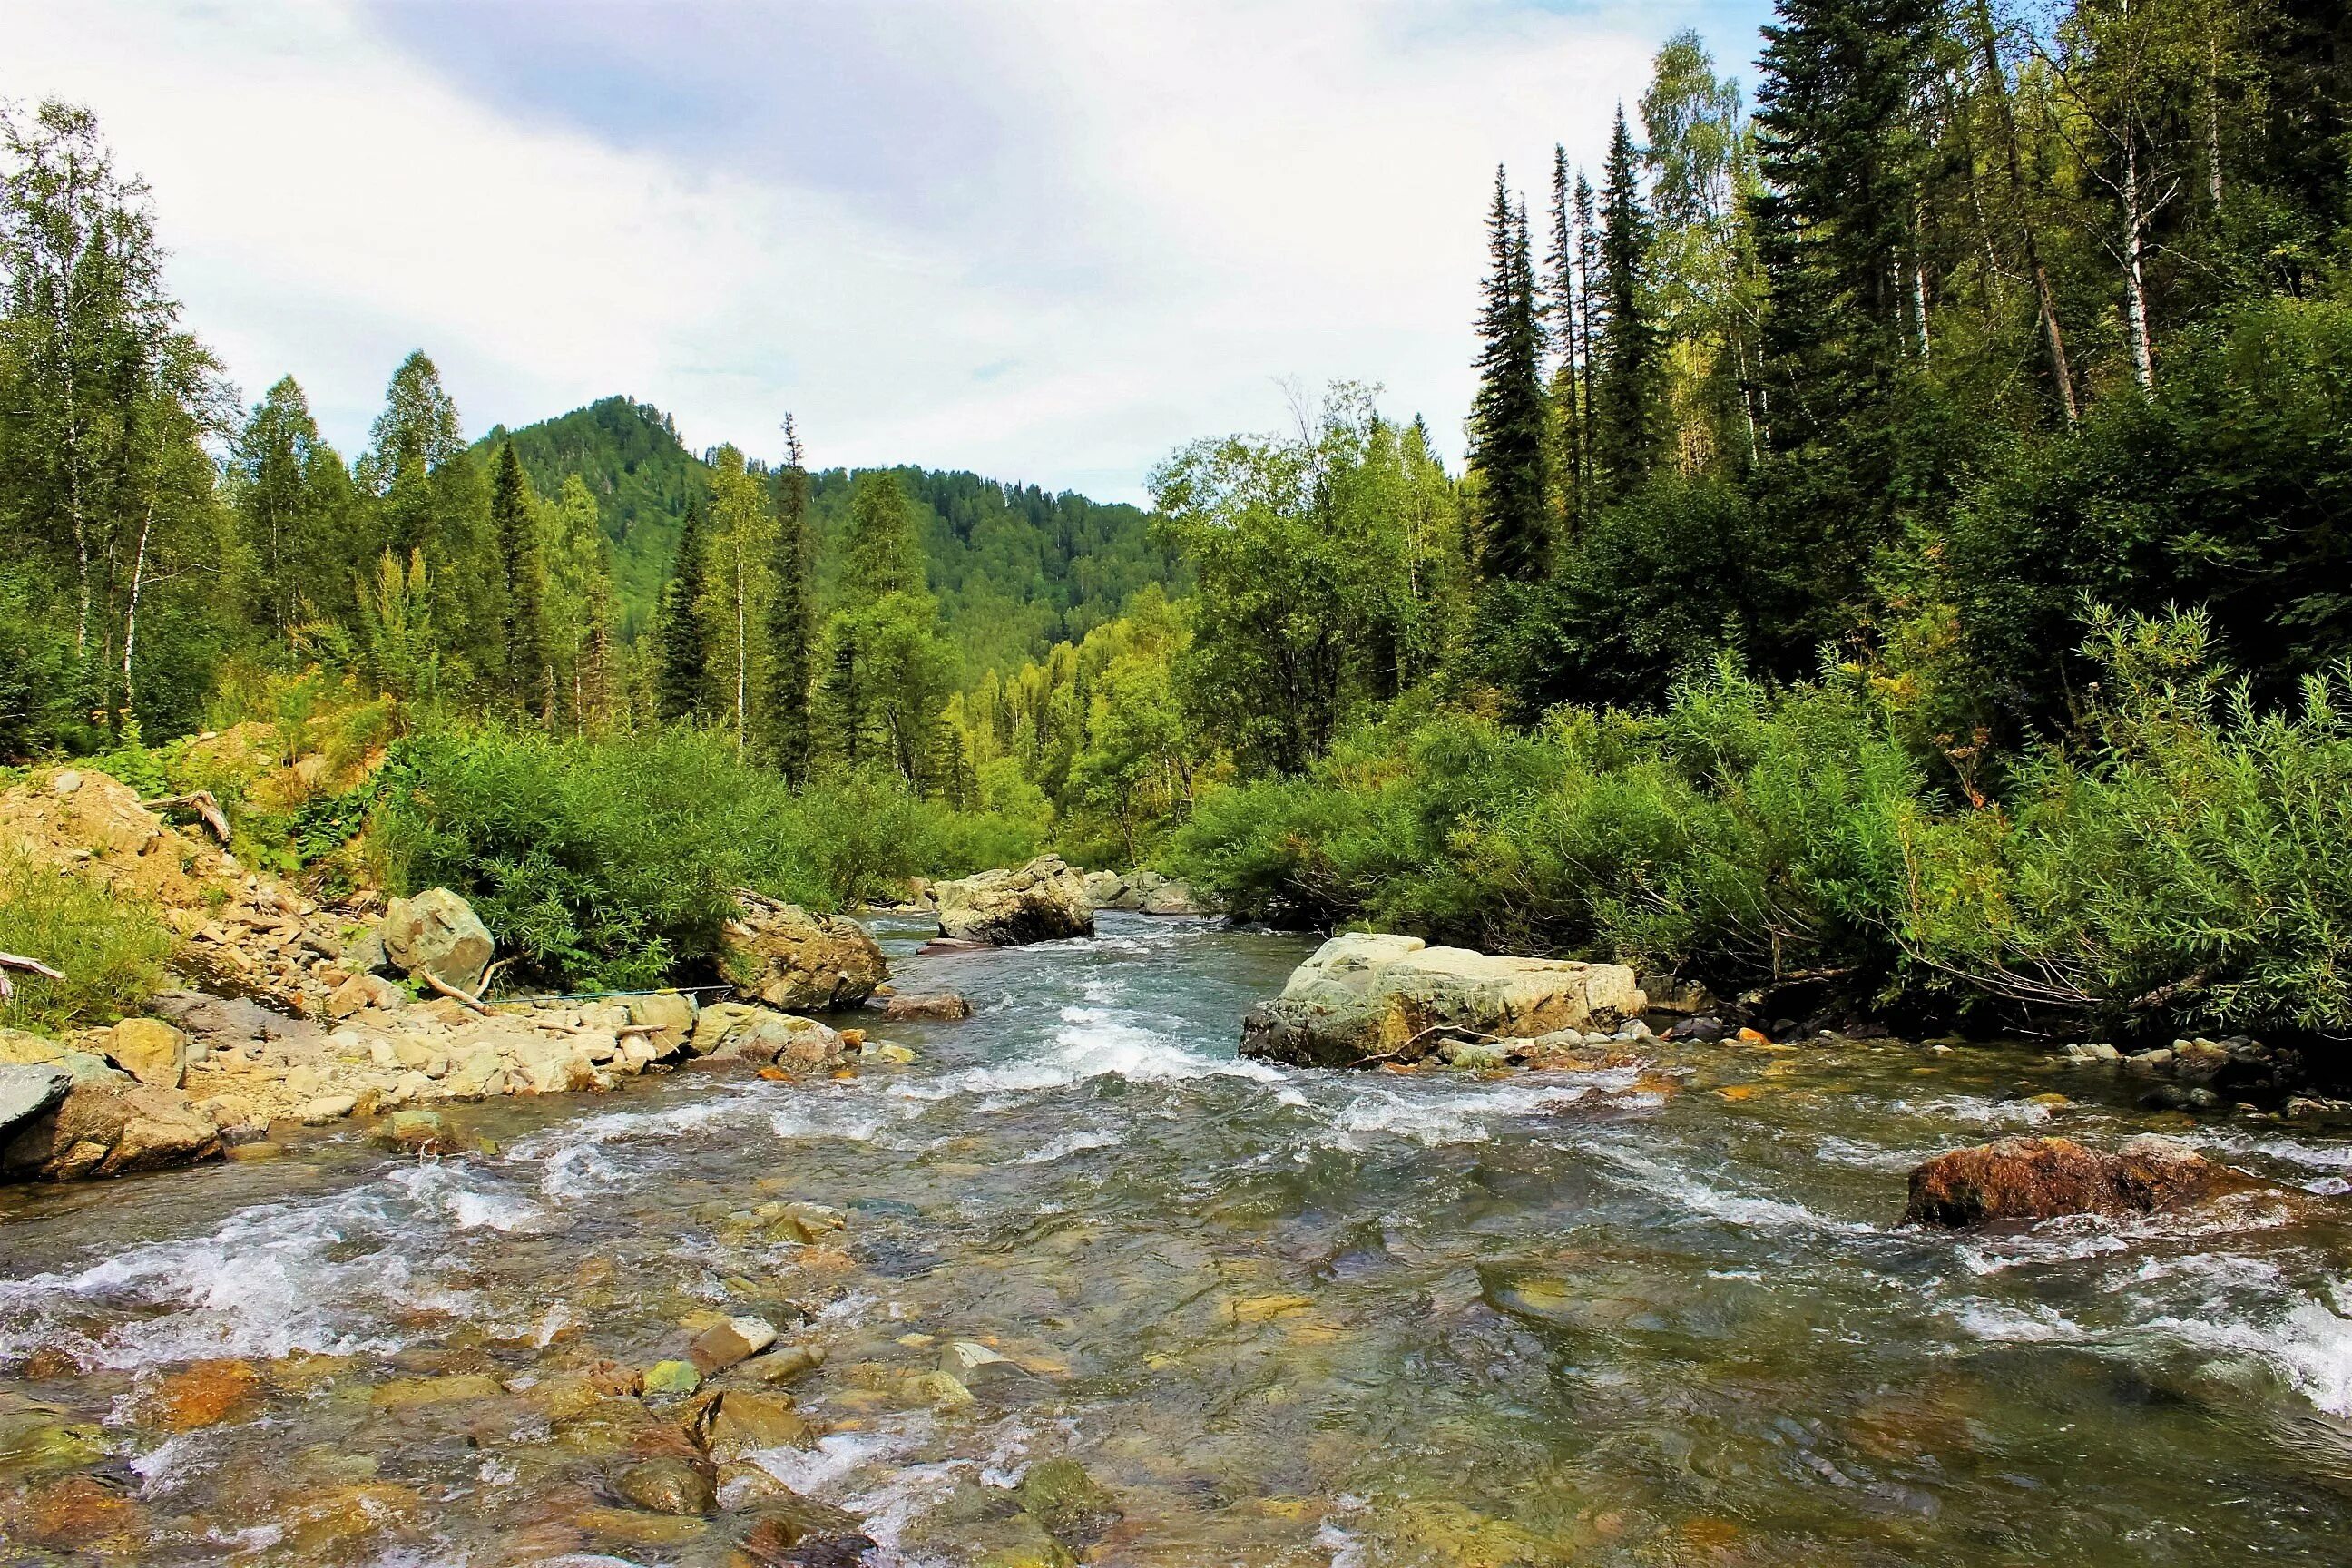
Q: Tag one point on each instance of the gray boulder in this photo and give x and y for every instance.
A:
(25, 1091)
(1043, 901)
(781, 954)
(437, 933)
(1396, 998)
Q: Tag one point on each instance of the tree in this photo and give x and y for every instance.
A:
(790, 664)
(880, 554)
(682, 675)
(741, 552)
(579, 603)
(104, 478)
(293, 502)
(1626, 392)
(529, 679)
(1562, 298)
(1507, 416)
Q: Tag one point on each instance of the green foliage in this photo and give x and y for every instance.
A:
(606, 863)
(111, 952)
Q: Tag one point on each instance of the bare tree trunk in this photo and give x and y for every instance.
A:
(740, 651)
(2046, 297)
(2135, 281)
(130, 613)
(2213, 118)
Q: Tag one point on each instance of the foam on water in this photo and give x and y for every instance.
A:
(1703, 1200)
(1069, 1143)
(265, 1283)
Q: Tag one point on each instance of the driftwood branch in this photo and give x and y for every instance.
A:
(201, 803)
(9, 960)
(465, 998)
(477, 1000)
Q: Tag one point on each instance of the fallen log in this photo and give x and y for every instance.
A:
(201, 803)
(9, 960)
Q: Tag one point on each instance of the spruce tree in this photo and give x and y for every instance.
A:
(1626, 386)
(1842, 164)
(1591, 312)
(1560, 310)
(681, 643)
(1506, 418)
(528, 680)
(790, 619)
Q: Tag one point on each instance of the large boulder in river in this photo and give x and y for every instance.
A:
(2043, 1178)
(107, 1127)
(781, 954)
(1395, 997)
(437, 933)
(1043, 901)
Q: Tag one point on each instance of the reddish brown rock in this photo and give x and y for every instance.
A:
(74, 1514)
(202, 1395)
(924, 1006)
(2042, 1178)
(105, 1128)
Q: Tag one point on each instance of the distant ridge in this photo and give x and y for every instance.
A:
(1016, 568)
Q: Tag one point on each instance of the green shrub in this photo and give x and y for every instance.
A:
(110, 951)
(607, 863)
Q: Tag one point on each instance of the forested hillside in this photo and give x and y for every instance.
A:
(1016, 568)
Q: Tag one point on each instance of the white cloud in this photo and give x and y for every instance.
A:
(1181, 206)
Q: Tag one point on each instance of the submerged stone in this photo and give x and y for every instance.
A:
(668, 1485)
(672, 1377)
(202, 1395)
(1071, 1504)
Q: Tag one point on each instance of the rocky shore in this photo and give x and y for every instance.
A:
(295, 1014)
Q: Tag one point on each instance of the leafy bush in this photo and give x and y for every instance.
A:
(2191, 862)
(111, 952)
(608, 862)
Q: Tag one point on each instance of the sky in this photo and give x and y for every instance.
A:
(1046, 240)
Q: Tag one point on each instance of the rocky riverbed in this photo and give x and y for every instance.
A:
(1080, 1283)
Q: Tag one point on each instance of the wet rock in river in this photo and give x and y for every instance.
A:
(738, 1031)
(725, 1343)
(2042, 1178)
(1364, 996)
(781, 954)
(106, 1129)
(668, 1485)
(437, 933)
(1071, 1504)
(911, 1008)
(78, 1514)
(672, 1377)
(204, 1393)
(785, 1365)
(1043, 901)
(803, 1535)
(744, 1422)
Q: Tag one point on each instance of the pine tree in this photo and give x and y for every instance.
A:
(1625, 390)
(513, 517)
(1506, 418)
(791, 623)
(682, 643)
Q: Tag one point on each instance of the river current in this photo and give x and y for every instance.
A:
(1656, 1314)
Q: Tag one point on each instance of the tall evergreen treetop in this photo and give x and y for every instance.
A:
(1626, 387)
(514, 523)
(682, 643)
(790, 619)
(880, 552)
(1508, 416)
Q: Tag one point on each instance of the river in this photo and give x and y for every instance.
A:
(1655, 1315)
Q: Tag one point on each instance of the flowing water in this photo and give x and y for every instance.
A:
(1657, 1314)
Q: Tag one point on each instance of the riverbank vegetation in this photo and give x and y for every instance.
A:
(1900, 552)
